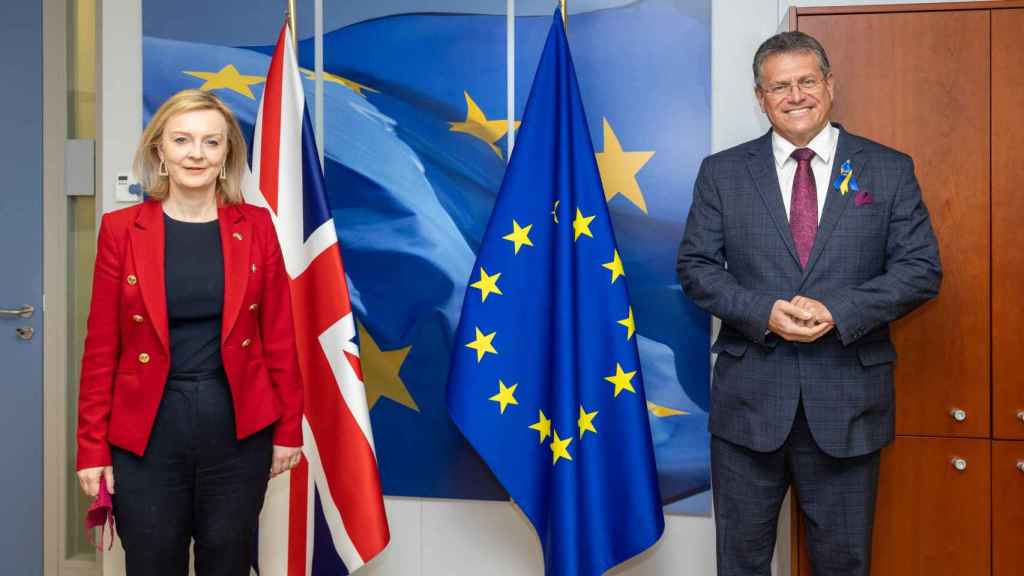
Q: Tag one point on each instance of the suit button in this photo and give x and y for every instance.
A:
(246, 342)
(144, 358)
(137, 318)
(132, 280)
(254, 307)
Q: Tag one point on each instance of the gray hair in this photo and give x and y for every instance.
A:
(787, 42)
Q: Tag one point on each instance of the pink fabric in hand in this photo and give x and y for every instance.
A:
(99, 514)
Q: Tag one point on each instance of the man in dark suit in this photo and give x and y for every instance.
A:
(806, 243)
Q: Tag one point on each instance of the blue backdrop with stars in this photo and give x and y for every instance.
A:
(414, 130)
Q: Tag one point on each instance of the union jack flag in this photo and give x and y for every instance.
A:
(327, 515)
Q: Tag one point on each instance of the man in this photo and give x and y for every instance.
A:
(806, 242)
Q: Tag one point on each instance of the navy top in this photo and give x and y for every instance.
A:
(194, 282)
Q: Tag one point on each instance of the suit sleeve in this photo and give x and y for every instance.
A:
(279, 351)
(701, 265)
(102, 349)
(912, 269)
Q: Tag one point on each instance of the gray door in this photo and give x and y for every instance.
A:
(21, 284)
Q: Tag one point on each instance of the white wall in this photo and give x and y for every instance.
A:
(119, 96)
(453, 538)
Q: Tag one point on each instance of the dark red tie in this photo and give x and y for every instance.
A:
(803, 205)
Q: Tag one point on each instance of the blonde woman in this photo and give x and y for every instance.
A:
(190, 394)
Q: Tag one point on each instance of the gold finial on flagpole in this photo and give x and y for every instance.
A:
(291, 23)
(565, 15)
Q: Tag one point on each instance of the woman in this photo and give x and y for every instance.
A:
(190, 394)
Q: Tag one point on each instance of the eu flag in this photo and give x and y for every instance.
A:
(545, 380)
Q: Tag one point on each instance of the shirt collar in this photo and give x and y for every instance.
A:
(824, 144)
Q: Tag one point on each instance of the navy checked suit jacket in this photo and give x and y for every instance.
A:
(873, 261)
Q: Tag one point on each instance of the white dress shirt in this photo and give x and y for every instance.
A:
(824, 146)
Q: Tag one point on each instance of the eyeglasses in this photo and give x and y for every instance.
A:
(805, 85)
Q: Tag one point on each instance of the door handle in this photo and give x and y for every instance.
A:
(23, 312)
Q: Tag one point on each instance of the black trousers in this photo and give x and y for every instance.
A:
(196, 481)
(836, 496)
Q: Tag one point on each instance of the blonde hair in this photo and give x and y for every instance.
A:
(146, 164)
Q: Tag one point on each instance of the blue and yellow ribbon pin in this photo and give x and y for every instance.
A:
(845, 181)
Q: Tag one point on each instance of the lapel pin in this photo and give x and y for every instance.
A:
(236, 235)
(845, 181)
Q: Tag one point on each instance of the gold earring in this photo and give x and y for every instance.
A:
(163, 169)
(223, 172)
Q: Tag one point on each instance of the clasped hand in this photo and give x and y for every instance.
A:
(802, 319)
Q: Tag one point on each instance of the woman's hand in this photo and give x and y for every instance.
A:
(285, 458)
(89, 479)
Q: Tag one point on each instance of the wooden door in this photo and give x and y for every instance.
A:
(1008, 224)
(933, 518)
(919, 82)
(942, 524)
(1007, 508)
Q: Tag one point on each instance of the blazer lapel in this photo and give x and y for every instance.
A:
(761, 165)
(236, 241)
(836, 202)
(147, 245)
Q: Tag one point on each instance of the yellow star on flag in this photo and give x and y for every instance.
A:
(664, 411)
(482, 344)
(519, 236)
(615, 266)
(478, 126)
(560, 448)
(229, 78)
(381, 372)
(487, 284)
(581, 225)
(335, 79)
(619, 168)
(505, 395)
(586, 421)
(629, 324)
(542, 426)
(623, 380)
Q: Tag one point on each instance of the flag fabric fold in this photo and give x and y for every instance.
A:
(545, 380)
(326, 515)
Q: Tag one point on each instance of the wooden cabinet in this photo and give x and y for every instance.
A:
(944, 82)
(942, 524)
(931, 517)
(1008, 224)
(918, 82)
(1007, 508)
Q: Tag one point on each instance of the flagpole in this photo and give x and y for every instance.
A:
(291, 22)
(510, 75)
(318, 69)
(565, 15)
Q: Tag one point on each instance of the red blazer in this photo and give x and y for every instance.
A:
(127, 358)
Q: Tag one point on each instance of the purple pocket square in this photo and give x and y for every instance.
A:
(863, 197)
